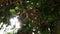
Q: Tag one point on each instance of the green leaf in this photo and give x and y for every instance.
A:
(12, 11)
(16, 8)
(8, 33)
(26, 29)
(50, 18)
(58, 12)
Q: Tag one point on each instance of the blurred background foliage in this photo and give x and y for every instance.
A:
(37, 16)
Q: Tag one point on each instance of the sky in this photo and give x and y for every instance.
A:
(14, 26)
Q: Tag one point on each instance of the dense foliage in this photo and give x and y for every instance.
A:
(37, 16)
